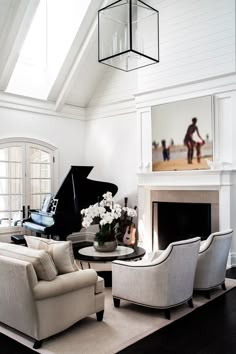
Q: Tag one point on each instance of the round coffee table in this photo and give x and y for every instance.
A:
(89, 254)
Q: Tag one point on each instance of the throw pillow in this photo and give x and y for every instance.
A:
(60, 251)
(41, 260)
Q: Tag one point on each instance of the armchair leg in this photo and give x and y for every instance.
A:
(100, 315)
(37, 344)
(223, 286)
(190, 303)
(208, 295)
(167, 314)
(116, 302)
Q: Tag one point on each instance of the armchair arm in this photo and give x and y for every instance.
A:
(65, 283)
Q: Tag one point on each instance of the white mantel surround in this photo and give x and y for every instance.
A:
(221, 181)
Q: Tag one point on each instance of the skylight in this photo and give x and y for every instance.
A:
(49, 38)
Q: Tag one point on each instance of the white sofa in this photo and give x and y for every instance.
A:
(38, 301)
(162, 281)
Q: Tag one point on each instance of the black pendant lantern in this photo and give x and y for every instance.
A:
(128, 35)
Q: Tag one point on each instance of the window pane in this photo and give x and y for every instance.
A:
(16, 202)
(15, 169)
(45, 186)
(4, 203)
(35, 186)
(4, 186)
(4, 154)
(40, 170)
(3, 169)
(35, 201)
(15, 154)
(4, 219)
(16, 186)
(34, 155)
(35, 170)
(45, 157)
(45, 171)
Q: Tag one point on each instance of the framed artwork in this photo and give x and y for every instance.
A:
(182, 135)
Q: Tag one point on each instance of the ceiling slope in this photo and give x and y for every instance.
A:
(80, 73)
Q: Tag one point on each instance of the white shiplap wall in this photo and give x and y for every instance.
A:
(115, 85)
(197, 41)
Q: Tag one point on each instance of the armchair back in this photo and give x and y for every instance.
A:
(212, 260)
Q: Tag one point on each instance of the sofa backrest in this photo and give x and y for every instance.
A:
(41, 260)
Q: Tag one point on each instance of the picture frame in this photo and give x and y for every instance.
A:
(182, 135)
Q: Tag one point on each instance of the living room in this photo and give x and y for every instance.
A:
(96, 115)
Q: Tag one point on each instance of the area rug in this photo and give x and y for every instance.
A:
(120, 328)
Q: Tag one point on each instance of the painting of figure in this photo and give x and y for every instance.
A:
(182, 135)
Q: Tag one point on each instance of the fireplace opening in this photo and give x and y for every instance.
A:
(180, 221)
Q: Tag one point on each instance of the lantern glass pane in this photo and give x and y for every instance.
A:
(128, 35)
(145, 30)
(114, 32)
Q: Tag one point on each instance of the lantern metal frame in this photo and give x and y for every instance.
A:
(131, 49)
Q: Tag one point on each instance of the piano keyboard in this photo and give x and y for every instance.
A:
(33, 226)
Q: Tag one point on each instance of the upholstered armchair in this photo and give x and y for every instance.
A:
(37, 299)
(162, 281)
(212, 261)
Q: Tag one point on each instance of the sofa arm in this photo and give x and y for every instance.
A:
(65, 283)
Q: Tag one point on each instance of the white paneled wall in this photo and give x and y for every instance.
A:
(116, 85)
(197, 56)
(197, 41)
(111, 146)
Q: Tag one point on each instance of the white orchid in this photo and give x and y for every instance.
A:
(130, 212)
(109, 215)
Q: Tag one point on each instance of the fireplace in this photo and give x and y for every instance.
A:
(214, 187)
(179, 221)
(181, 214)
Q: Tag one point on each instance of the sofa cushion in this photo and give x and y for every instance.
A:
(60, 251)
(42, 262)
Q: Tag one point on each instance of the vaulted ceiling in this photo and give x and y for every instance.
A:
(80, 72)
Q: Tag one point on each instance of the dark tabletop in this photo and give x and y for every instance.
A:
(139, 252)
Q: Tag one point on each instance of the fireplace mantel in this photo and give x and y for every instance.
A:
(223, 181)
(187, 179)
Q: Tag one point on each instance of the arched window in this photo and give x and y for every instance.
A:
(27, 175)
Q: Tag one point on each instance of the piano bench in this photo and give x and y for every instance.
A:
(18, 239)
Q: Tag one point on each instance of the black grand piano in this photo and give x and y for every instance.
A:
(75, 193)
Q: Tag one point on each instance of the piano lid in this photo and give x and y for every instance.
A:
(78, 192)
(76, 185)
(75, 193)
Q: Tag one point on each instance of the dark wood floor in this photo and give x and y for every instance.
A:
(210, 329)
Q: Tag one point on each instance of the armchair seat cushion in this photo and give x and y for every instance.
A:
(41, 261)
